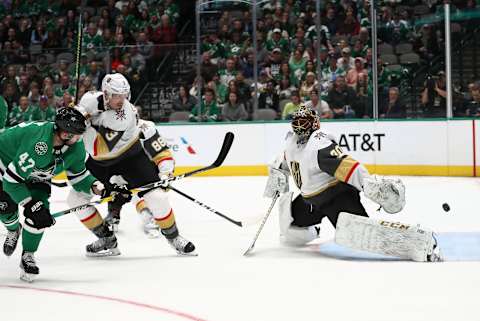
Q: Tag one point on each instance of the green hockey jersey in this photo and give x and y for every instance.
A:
(28, 156)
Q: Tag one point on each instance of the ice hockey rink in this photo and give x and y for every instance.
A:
(318, 282)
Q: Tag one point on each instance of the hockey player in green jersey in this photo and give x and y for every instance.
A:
(31, 154)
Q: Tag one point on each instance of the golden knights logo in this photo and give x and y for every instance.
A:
(41, 148)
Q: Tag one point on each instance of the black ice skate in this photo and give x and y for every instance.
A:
(182, 246)
(104, 246)
(29, 267)
(11, 241)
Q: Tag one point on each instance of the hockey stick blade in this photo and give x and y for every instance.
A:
(227, 143)
(252, 245)
(208, 208)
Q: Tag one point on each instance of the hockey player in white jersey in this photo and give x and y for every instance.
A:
(121, 150)
(330, 183)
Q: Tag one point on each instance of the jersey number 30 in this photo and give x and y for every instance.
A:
(295, 167)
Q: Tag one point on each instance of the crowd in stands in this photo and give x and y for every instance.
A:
(38, 46)
(38, 43)
(339, 84)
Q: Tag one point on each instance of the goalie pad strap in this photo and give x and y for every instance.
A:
(383, 237)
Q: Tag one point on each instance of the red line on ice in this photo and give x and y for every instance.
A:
(107, 298)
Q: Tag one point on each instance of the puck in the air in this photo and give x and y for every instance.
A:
(446, 207)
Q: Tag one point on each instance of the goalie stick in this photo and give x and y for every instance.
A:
(227, 143)
(252, 245)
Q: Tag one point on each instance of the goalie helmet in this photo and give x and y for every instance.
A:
(70, 120)
(115, 84)
(304, 122)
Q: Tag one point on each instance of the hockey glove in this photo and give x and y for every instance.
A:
(37, 215)
(165, 171)
(388, 193)
(119, 193)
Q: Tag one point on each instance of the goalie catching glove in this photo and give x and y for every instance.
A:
(388, 193)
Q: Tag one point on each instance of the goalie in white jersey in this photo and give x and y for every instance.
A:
(123, 150)
(330, 183)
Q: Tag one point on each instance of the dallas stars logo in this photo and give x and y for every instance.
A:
(120, 114)
(41, 148)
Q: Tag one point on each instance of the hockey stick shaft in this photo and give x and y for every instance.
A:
(208, 208)
(252, 245)
(227, 143)
(79, 57)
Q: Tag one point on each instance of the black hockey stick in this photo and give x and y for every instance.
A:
(227, 143)
(79, 57)
(206, 206)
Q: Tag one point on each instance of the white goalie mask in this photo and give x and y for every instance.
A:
(115, 84)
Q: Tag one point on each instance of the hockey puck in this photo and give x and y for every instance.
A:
(446, 207)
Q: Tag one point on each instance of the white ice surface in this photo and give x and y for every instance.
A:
(149, 282)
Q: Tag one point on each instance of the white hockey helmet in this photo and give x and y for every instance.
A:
(115, 84)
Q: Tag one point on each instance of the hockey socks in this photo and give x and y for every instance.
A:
(10, 220)
(167, 225)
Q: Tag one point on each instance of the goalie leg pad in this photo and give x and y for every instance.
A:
(386, 238)
(289, 234)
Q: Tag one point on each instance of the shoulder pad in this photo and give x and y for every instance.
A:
(319, 140)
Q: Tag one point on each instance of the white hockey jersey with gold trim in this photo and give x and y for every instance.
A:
(111, 132)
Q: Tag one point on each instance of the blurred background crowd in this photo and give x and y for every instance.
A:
(153, 44)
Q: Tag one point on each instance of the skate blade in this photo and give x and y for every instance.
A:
(109, 252)
(27, 277)
(194, 253)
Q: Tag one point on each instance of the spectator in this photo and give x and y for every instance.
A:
(207, 110)
(39, 35)
(341, 98)
(65, 101)
(277, 41)
(300, 39)
(346, 62)
(92, 41)
(24, 33)
(20, 113)
(308, 85)
(291, 106)
(34, 94)
(393, 106)
(228, 73)
(319, 105)
(349, 25)
(434, 96)
(43, 112)
(10, 95)
(285, 89)
(234, 110)
(49, 92)
(363, 104)
(354, 73)
(243, 89)
(184, 101)
(24, 85)
(145, 46)
(208, 68)
(64, 86)
(269, 98)
(297, 65)
(166, 32)
(274, 64)
(330, 74)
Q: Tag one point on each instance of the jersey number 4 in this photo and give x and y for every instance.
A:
(295, 169)
(25, 162)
